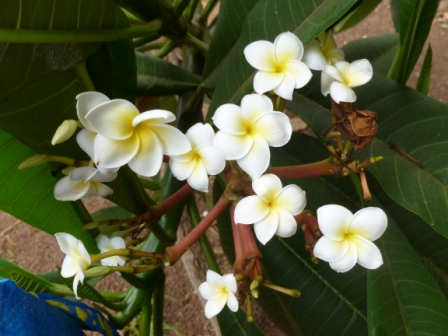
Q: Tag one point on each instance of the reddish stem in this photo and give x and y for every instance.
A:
(238, 243)
(320, 168)
(161, 209)
(250, 246)
(175, 252)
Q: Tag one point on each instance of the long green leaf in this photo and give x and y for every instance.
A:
(232, 324)
(364, 9)
(425, 73)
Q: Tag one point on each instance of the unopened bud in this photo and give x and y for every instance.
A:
(254, 285)
(93, 225)
(98, 271)
(64, 131)
(254, 293)
(34, 161)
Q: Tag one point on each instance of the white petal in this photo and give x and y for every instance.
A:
(325, 82)
(75, 285)
(86, 139)
(148, 160)
(117, 243)
(360, 72)
(260, 55)
(292, 199)
(200, 135)
(173, 141)
(207, 292)
(103, 243)
(66, 190)
(330, 250)
(67, 243)
(301, 73)
(69, 267)
(287, 225)
(286, 88)
(198, 179)
(154, 117)
(107, 175)
(267, 81)
(267, 187)
(274, 127)
(229, 282)
(85, 102)
(369, 256)
(250, 210)
(343, 68)
(213, 159)
(115, 153)
(333, 221)
(182, 170)
(342, 93)
(84, 259)
(81, 173)
(214, 279)
(113, 119)
(234, 146)
(232, 302)
(335, 55)
(313, 56)
(256, 161)
(254, 106)
(287, 47)
(213, 307)
(333, 71)
(347, 262)
(266, 228)
(369, 223)
(228, 118)
(101, 190)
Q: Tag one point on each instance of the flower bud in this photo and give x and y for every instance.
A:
(97, 271)
(34, 161)
(64, 131)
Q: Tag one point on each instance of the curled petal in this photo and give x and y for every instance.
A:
(228, 118)
(292, 199)
(182, 170)
(81, 173)
(250, 210)
(213, 159)
(286, 88)
(267, 187)
(257, 159)
(198, 179)
(330, 250)
(234, 146)
(84, 255)
(107, 175)
(267, 81)
(117, 243)
(333, 221)
(333, 72)
(101, 190)
(85, 102)
(103, 243)
(369, 223)
(301, 73)
(69, 267)
(229, 282)
(254, 106)
(86, 140)
(115, 153)
(67, 243)
(287, 47)
(200, 135)
(287, 225)
(313, 56)
(113, 119)
(213, 307)
(369, 256)
(76, 281)
(347, 262)
(173, 141)
(342, 93)
(359, 72)
(260, 55)
(148, 160)
(325, 82)
(154, 117)
(66, 190)
(274, 127)
(342, 67)
(232, 302)
(267, 227)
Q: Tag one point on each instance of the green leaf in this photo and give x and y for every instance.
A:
(379, 50)
(265, 21)
(423, 191)
(157, 77)
(28, 195)
(403, 298)
(416, 18)
(364, 9)
(395, 12)
(232, 324)
(425, 73)
(113, 70)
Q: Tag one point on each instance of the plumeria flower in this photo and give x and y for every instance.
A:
(76, 261)
(322, 51)
(279, 64)
(218, 291)
(272, 209)
(339, 79)
(105, 245)
(83, 182)
(347, 238)
(127, 137)
(246, 132)
(203, 159)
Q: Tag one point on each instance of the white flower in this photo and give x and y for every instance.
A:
(272, 209)
(76, 261)
(218, 290)
(127, 137)
(105, 245)
(203, 159)
(246, 132)
(83, 182)
(279, 64)
(322, 51)
(339, 79)
(348, 238)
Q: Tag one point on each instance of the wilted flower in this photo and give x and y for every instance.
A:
(348, 238)
(105, 245)
(83, 182)
(246, 132)
(322, 51)
(339, 79)
(76, 261)
(203, 159)
(272, 209)
(279, 64)
(218, 290)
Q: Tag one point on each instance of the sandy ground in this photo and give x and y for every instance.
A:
(38, 252)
